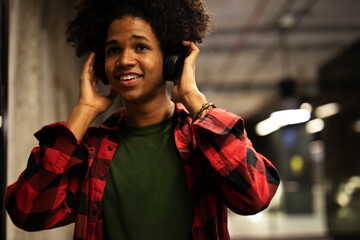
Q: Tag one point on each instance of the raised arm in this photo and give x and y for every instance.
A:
(45, 193)
(246, 179)
(91, 103)
(185, 89)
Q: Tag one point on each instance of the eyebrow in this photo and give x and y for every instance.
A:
(138, 37)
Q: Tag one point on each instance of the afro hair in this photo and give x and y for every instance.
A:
(171, 21)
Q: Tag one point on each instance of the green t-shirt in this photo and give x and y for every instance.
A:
(146, 194)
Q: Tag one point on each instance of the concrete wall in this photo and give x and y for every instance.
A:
(43, 78)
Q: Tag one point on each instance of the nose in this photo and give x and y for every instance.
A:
(126, 58)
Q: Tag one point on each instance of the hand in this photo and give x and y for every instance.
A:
(89, 95)
(91, 102)
(185, 90)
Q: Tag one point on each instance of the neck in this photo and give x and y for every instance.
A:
(140, 115)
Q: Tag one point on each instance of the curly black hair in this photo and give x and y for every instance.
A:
(171, 21)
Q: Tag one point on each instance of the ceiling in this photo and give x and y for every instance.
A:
(255, 44)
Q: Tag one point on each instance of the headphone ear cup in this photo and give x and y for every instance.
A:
(99, 69)
(169, 66)
(173, 65)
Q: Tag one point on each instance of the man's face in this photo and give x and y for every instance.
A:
(133, 60)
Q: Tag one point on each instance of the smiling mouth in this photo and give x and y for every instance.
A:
(128, 77)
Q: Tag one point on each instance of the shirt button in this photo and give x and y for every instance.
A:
(102, 177)
(110, 148)
(94, 212)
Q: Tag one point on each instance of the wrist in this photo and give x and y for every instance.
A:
(86, 111)
(193, 102)
(80, 119)
(202, 111)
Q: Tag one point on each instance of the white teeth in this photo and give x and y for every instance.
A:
(129, 77)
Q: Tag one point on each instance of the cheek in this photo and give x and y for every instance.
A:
(156, 66)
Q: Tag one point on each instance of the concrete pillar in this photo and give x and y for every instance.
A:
(43, 85)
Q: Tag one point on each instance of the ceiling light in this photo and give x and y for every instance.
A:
(280, 119)
(291, 116)
(306, 106)
(314, 126)
(327, 110)
(266, 127)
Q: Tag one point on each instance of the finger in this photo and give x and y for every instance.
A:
(89, 62)
(88, 70)
(191, 45)
(87, 74)
(194, 52)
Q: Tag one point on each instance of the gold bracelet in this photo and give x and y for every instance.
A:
(204, 107)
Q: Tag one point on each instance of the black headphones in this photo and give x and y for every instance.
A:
(172, 64)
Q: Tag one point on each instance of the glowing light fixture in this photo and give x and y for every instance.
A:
(327, 110)
(280, 119)
(266, 127)
(315, 125)
(291, 116)
(306, 106)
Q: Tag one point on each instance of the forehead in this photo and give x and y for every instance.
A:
(128, 26)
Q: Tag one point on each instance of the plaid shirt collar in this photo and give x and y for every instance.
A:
(112, 123)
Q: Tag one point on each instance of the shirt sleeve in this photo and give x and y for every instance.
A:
(43, 195)
(247, 180)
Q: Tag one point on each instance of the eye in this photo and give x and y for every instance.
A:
(112, 50)
(141, 47)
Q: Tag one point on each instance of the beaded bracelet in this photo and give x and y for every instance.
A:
(204, 107)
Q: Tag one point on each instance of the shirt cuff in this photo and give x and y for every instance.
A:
(219, 121)
(60, 146)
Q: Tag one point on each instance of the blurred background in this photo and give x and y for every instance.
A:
(290, 68)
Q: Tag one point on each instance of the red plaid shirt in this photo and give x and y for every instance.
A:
(64, 180)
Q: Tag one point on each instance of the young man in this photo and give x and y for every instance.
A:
(158, 168)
